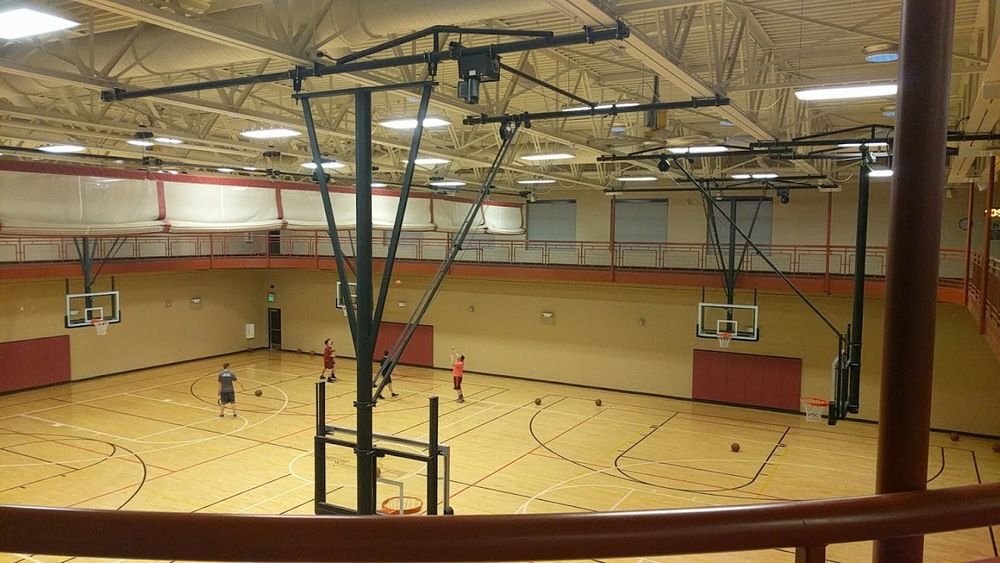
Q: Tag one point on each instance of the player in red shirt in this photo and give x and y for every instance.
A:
(457, 369)
(329, 360)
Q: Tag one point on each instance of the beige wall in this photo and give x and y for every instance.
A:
(597, 340)
(151, 333)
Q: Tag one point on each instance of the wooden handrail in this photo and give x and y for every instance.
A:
(223, 537)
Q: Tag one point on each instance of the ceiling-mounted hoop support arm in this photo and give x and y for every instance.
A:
(527, 117)
(619, 32)
(758, 250)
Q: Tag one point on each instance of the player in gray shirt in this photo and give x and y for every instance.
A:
(227, 395)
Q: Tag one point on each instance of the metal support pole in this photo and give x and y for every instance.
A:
(984, 266)
(829, 228)
(432, 456)
(860, 259)
(319, 454)
(363, 336)
(968, 242)
(730, 267)
(913, 259)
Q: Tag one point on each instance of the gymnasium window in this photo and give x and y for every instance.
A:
(552, 220)
(641, 220)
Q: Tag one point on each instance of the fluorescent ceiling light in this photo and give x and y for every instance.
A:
(881, 53)
(699, 150)
(870, 145)
(530, 182)
(888, 111)
(764, 176)
(140, 142)
(880, 173)
(250, 168)
(59, 149)
(740, 176)
(275, 133)
(428, 161)
(636, 178)
(25, 22)
(172, 171)
(847, 92)
(726, 123)
(549, 156)
(168, 141)
(328, 165)
(601, 106)
(447, 183)
(613, 192)
(411, 123)
(618, 128)
(224, 169)
(379, 185)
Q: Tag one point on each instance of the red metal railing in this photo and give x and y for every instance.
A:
(808, 526)
(809, 260)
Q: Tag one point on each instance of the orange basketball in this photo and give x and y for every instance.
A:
(597, 402)
(399, 282)
(735, 447)
(996, 447)
(954, 436)
(538, 401)
(258, 392)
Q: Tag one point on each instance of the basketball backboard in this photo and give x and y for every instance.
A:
(739, 320)
(82, 309)
(353, 286)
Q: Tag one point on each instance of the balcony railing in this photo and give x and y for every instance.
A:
(807, 526)
(806, 260)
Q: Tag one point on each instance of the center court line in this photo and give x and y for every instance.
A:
(621, 500)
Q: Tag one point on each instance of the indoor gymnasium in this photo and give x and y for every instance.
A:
(499, 280)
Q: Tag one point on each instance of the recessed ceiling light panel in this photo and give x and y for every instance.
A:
(26, 22)
(847, 92)
(549, 156)
(62, 149)
(411, 123)
(275, 133)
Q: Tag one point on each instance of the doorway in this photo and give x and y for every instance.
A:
(274, 328)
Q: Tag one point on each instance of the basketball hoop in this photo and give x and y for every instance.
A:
(101, 325)
(815, 407)
(411, 505)
(724, 339)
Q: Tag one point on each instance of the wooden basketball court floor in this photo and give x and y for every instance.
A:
(152, 440)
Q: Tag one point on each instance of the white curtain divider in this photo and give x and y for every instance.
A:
(33, 203)
(449, 214)
(55, 229)
(215, 208)
(504, 219)
(416, 218)
(303, 210)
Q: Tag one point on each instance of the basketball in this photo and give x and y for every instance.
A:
(538, 401)
(378, 471)
(597, 402)
(399, 282)
(258, 392)
(954, 436)
(298, 350)
(735, 447)
(996, 447)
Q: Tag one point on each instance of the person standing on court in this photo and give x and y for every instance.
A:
(383, 370)
(227, 395)
(457, 370)
(329, 361)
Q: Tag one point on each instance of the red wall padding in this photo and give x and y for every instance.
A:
(747, 379)
(420, 350)
(33, 363)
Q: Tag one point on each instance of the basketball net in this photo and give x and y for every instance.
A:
(101, 326)
(724, 339)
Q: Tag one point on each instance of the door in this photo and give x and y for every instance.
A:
(274, 328)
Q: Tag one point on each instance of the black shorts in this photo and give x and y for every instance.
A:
(227, 398)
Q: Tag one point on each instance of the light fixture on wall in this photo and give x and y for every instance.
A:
(548, 314)
(642, 321)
